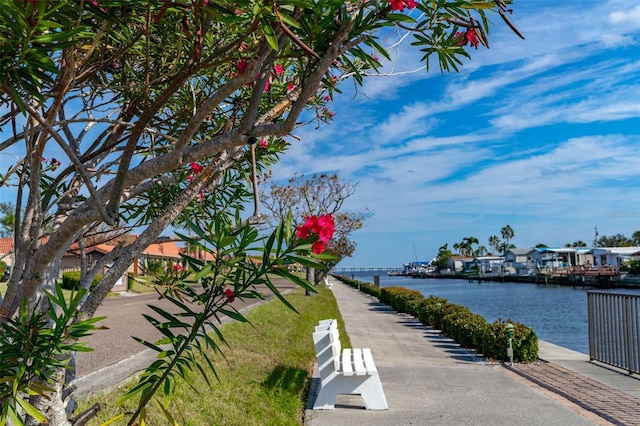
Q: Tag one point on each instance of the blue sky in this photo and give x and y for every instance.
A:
(541, 134)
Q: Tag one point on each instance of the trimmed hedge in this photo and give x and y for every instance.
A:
(71, 280)
(467, 329)
(361, 285)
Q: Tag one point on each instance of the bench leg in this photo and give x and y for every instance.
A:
(369, 387)
(373, 395)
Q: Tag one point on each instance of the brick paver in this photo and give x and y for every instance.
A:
(610, 404)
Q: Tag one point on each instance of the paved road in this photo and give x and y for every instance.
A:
(124, 319)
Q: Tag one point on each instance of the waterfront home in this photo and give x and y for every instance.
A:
(615, 256)
(487, 265)
(459, 263)
(522, 260)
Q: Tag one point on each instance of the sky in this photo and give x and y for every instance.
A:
(541, 134)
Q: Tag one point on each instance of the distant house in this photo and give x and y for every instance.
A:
(6, 250)
(614, 256)
(459, 263)
(164, 253)
(522, 257)
(487, 265)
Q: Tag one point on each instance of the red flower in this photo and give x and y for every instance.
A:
(278, 69)
(290, 87)
(231, 295)
(400, 4)
(54, 164)
(322, 226)
(263, 144)
(472, 37)
(196, 168)
(241, 65)
(317, 247)
(177, 267)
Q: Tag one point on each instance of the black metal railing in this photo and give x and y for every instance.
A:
(614, 329)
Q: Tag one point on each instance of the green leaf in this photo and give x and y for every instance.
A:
(30, 410)
(269, 34)
(166, 413)
(235, 315)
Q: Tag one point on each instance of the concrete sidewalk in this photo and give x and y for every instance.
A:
(429, 380)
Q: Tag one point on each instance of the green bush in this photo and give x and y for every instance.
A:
(71, 280)
(402, 299)
(3, 267)
(495, 342)
(364, 287)
(467, 329)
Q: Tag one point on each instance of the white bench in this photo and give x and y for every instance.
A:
(350, 371)
(327, 284)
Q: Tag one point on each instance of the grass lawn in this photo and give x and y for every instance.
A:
(264, 375)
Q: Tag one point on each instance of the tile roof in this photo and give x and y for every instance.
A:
(165, 250)
(6, 245)
(169, 249)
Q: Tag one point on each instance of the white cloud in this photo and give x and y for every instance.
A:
(629, 16)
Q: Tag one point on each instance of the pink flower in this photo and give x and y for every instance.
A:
(470, 36)
(323, 227)
(241, 65)
(317, 247)
(278, 69)
(177, 267)
(263, 143)
(196, 168)
(54, 164)
(231, 295)
(401, 4)
(327, 98)
(375, 58)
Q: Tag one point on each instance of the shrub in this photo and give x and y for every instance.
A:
(402, 299)
(467, 329)
(495, 342)
(364, 287)
(71, 280)
(428, 309)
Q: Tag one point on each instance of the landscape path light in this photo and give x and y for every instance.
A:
(510, 332)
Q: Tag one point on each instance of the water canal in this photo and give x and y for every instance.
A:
(557, 314)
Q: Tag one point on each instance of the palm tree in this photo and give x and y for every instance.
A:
(507, 234)
(636, 238)
(468, 243)
(457, 247)
(494, 243)
(480, 251)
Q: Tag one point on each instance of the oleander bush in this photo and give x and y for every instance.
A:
(458, 322)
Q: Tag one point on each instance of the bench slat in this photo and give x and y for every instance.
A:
(368, 361)
(347, 367)
(358, 363)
